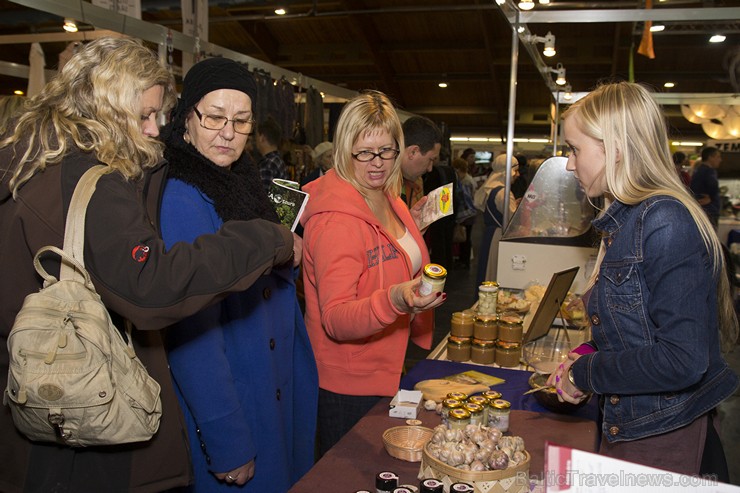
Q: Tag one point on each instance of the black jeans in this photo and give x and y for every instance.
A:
(338, 413)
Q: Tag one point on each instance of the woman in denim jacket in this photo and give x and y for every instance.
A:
(659, 301)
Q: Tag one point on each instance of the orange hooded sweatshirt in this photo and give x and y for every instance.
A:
(349, 262)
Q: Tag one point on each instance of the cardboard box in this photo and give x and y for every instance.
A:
(406, 404)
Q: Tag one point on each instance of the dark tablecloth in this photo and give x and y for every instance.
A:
(352, 463)
(512, 389)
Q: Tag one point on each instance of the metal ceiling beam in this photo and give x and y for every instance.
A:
(625, 15)
(64, 37)
(21, 71)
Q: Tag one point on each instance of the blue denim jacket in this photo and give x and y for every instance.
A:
(654, 321)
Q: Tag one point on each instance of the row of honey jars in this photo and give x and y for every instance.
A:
(484, 352)
(506, 326)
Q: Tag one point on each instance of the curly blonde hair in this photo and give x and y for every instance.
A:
(629, 123)
(93, 105)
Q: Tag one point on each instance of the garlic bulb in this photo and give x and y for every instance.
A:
(476, 448)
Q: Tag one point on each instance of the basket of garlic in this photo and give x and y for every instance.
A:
(478, 455)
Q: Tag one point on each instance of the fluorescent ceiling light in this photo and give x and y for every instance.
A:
(717, 38)
(280, 11)
(526, 4)
(669, 85)
(656, 28)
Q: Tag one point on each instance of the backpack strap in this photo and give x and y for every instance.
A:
(74, 229)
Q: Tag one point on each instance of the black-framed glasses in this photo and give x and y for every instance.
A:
(384, 154)
(214, 122)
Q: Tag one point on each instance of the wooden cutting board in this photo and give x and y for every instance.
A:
(437, 389)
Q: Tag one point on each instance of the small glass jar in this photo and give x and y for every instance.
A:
(510, 327)
(482, 352)
(447, 406)
(498, 414)
(491, 395)
(458, 348)
(458, 396)
(431, 485)
(458, 419)
(461, 324)
(508, 354)
(482, 401)
(432, 279)
(476, 413)
(485, 328)
(487, 298)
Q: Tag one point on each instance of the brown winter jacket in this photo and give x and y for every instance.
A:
(137, 279)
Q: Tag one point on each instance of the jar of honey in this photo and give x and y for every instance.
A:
(461, 324)
(510, 327)
(476, 413)
(498, 414)
(458, 418)
(482, 352)
(458, 349)
(447, 406)
(485, 328)
(508, 354)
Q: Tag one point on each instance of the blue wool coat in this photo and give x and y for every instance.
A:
(244, 368)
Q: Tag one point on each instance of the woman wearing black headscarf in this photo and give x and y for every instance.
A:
(244, 367)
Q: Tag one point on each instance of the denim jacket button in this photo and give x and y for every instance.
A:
(614, 400)
(595, 320)
(614, 430)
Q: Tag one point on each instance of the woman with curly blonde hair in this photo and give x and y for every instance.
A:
(102, 109)
(659, 300)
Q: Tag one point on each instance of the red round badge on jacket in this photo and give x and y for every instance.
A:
(140, 253)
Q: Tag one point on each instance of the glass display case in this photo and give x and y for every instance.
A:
(549, 232)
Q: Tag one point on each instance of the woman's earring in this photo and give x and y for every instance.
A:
(186, 136)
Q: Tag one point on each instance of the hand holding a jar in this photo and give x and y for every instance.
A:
(406, 298)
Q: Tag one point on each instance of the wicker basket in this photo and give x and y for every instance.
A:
(510, 480)
(406, 442)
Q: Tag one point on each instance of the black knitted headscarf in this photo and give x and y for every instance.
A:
(237, 193)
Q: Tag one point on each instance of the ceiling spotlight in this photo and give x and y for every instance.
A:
(544, 2)
(70, 25)
(18, 92)
(560, 71)
(656, 28)
(443, 85)
(549, 41)
(568, 94)
(717, 38)
(280, 11)
(669, 85)
(500, 2)
(521, 29)
(526, 4)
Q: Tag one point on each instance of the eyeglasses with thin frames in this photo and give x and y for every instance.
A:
(214, 122)
(384, 154)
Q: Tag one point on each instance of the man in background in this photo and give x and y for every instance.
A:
(423, 141)
(268, 137)
(705, 185)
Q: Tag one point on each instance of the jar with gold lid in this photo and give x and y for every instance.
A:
(508, 354)
(487, 298)
(458, 348)
(458, 396)
(432, 279)
(510, 327)
(458, 418)
(461, 323)
(447, 406)
(482, 401)
(491, 395)
(498, 414)
(482, 351)
(476, 412)
(485, 328)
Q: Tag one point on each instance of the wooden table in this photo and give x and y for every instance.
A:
(352, 463)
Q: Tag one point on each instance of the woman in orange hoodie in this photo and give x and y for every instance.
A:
(363, 255)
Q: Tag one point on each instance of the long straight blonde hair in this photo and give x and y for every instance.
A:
(625, 118)
(93, 105)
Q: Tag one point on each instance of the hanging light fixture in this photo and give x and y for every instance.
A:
(549, 41)
(280, 11)
(560, 71)
(568, 94)
(718, 38)
(656, 28)
(526, 4)
(69, 25)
